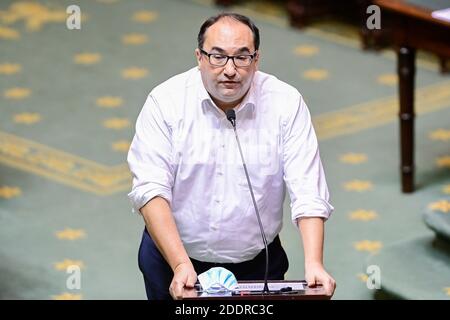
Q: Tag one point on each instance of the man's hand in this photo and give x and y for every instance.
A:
(184, 277)
(316, 274)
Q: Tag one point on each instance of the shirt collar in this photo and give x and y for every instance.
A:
(207, 103)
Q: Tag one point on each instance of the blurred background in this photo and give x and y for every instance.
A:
(69, 99)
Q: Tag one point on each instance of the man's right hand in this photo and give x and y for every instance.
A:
(184, 276)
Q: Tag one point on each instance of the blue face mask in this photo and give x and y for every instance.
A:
(217, 280)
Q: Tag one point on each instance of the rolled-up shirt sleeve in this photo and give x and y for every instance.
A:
(303, 170)
(149, 157)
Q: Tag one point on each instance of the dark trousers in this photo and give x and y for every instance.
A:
(158, 274)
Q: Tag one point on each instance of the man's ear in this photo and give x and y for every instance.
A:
(257, 61)
(198, 56)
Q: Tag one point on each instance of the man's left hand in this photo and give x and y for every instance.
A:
(316, 274)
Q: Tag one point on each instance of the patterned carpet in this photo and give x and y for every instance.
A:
(69, 100)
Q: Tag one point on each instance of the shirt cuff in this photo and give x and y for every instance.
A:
(311, 208)
(138, 199)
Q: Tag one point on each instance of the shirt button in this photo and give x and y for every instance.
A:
(214, 227)
(219, 173)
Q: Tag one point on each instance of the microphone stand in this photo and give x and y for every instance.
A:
(231, 116)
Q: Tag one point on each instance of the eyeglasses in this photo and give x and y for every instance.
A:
(220, 60)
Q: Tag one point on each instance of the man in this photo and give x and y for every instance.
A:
(188, 179)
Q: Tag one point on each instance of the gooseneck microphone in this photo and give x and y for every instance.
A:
(231, 116)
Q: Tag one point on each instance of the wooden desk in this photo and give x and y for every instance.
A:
(411, 28)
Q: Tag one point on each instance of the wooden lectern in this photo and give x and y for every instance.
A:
(252, 290)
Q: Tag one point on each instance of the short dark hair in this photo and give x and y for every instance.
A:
(239, 17)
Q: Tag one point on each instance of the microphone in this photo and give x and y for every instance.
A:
(231, 116)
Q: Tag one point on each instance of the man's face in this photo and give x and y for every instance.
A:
(227, 85)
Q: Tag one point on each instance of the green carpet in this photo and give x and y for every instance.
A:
(438, 219)
(415, 268)
(69, 100)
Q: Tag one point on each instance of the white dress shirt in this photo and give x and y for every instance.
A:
(185, 151)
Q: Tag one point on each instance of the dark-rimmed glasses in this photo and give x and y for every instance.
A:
(220, 60)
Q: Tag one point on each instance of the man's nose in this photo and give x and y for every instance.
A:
(230, 69)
